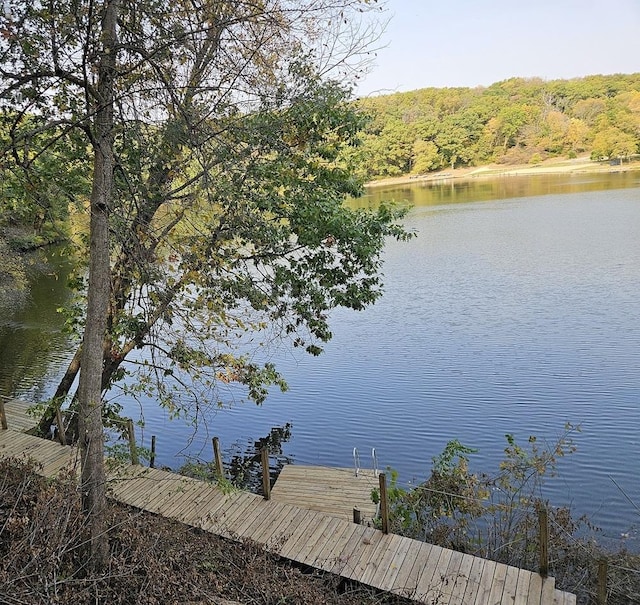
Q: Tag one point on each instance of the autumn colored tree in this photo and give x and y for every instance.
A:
(613, 143)
(425, 157)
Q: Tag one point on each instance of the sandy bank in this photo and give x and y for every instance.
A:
(578, 166)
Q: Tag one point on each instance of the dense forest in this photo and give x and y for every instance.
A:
(512, 122)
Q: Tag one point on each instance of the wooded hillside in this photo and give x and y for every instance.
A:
(513, 122)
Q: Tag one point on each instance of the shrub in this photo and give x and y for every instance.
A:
(497, 517)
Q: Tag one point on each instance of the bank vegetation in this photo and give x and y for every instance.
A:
(516, 121)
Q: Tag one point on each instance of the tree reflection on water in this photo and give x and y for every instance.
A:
(242, 461)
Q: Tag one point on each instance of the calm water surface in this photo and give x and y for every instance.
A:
(515, 310)
(33, 345)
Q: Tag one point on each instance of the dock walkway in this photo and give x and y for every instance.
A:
(423, 572)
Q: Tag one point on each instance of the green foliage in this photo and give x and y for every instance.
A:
(13, 278)
(440, 509)
(234, 155)
(614, 143)
(206, 471)
(511, 121)
(263, 242)
(118, 455)
(41, 180)
(491, 516)
(425, 157)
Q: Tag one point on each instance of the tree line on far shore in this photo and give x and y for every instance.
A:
(516, 121)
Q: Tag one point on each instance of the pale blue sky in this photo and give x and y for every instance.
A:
(478, 42)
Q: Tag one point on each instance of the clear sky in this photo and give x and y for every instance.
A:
(478, 42)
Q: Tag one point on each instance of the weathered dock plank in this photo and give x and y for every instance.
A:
(271, 526)
(240, 505)
(168, 496)
(497, 586)
(191, 505)
(379, 563)
(510, 583)
(406, 580)
(250, 525)
(186, 497)
(133, 491)
(18, 418)
(351, 552)
(326, 527)
(311, 532)
(365, 549)
(305, 523)
(522, 589)
(284, 530)
(431, 581)
(535, 588)
(485, 584)
(473, 582)
(398, 562)
(64, 459)
(461, 581)
(327, 555)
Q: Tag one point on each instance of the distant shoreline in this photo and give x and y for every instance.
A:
(578, 166)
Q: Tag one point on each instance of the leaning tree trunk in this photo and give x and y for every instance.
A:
(64, 386)
(93, 483)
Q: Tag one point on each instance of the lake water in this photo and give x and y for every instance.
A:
(516, 309)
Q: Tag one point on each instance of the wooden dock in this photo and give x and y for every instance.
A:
(332, 491)
(420, 571)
